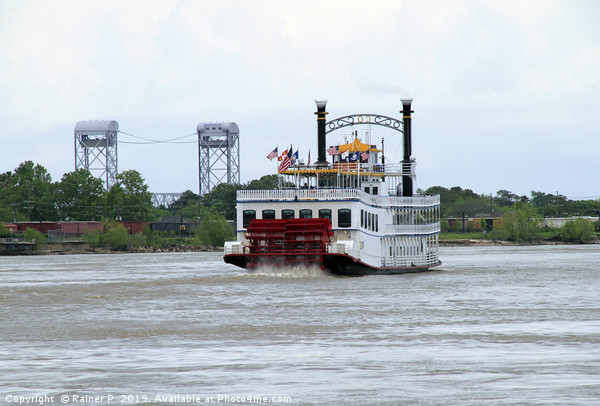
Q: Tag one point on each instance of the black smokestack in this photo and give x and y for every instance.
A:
(321, 113)
(407, 183)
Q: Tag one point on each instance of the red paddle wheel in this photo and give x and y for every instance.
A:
(287, 242)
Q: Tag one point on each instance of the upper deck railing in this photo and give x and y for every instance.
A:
(336, 194)
(388, 169)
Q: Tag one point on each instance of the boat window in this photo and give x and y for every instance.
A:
(344, 217)
(375, 190)
(268, 214)
(247, 216)
(306, 214)
(287, 214)
(362, 218)
(367, 190)
(325, 214)
(377, 223)
(369, 217)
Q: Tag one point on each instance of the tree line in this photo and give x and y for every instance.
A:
(456, 202)
(28, 193)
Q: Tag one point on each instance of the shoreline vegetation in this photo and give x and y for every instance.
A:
(181, 245)
(204, 223)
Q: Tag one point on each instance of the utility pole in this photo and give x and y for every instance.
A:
(545, 198)
(28, 201)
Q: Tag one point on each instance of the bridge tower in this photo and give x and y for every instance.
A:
(96, 149)
(219, 154)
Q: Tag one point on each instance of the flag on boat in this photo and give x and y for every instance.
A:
(333, 150)
(308, 164)
(283, 155)
(295, 156)
(354, 156)
(287, 161)
(364, 156)
(273, 154)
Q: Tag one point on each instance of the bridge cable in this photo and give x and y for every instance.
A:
(153, 141)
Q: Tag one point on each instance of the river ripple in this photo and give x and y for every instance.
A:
(493, 326)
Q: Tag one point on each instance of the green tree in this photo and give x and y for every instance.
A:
(34, 236)
(505, 198)
(445, 227)
(453, 201)
(223, 199)
(129, 198)
(578, 230)
(213, 229)
(582, 207)
(470, 226)
(27, 193)
(79, 196)
(267, 182)
(4, 231)
(458, 225)
(115, 235)
(93, 238)
(549, 205)
(474, 206)
(522, 222)
(482, 224)
(188, 206)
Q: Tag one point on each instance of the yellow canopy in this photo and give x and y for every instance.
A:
(354, 146)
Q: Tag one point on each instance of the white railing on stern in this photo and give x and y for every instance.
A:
(412, 229)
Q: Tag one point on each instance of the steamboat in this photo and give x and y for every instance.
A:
(357, 215)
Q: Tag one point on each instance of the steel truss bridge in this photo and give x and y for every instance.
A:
(164, 199)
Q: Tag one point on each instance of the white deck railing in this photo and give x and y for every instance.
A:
(336, 194)
(412, 229)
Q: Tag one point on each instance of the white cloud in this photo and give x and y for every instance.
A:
(486, 76)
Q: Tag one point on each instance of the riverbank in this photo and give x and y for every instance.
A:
(69, 248)
(80, 247)
(484, 243)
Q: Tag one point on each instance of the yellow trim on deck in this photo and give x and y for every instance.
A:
(332, 171)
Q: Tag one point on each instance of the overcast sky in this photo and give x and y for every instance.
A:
(506, 93)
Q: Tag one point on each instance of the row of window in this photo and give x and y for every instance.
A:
(369, 221)
(344, 215)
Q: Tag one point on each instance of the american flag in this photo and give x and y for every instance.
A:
(333, 150)
(272, 154)
(364, 156)
(287, 161)
(308, 164)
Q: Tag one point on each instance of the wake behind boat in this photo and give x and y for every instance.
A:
(356, 215)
